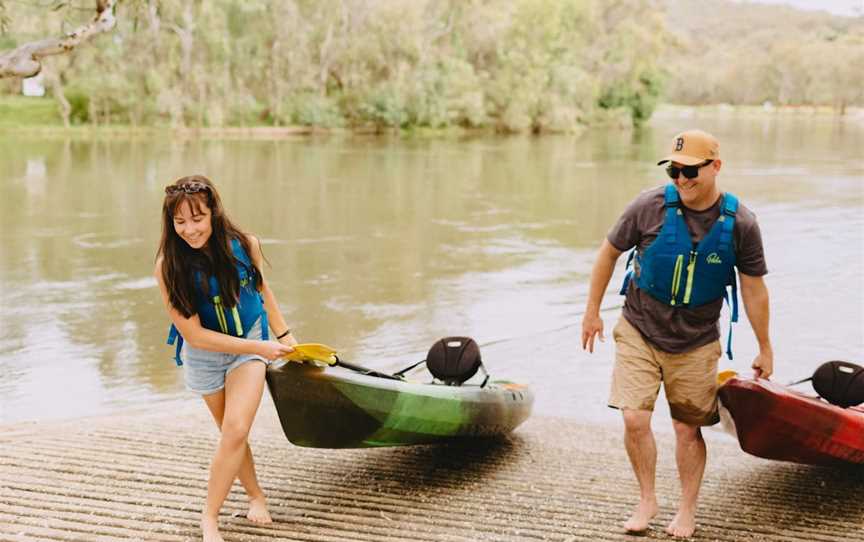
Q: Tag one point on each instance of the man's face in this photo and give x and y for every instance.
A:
(701, 189)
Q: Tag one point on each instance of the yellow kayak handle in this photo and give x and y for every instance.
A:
(312, 352)
(723, 376)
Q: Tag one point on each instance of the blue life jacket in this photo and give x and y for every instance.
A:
(212, 312)
(678, 272)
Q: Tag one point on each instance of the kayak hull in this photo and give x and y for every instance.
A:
(774, 422)
(336, 408)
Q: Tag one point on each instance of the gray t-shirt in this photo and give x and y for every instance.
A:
(679, 329)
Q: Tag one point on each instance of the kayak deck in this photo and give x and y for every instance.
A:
(337, 408)
(774, 422)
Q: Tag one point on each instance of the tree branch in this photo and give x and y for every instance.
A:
(25, 60)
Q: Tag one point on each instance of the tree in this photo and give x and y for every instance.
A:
(25, 60)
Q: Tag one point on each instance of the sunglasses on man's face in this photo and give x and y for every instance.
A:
(691, 172)
(189, 188)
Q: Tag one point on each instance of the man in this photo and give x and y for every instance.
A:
(689, 238)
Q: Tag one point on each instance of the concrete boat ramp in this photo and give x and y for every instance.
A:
(142, 476)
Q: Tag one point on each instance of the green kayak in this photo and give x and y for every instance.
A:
(334, 407)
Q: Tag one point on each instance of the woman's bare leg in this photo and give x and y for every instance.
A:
(247, 475)
(242, 395)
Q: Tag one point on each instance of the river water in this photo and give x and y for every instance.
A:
(380, 246)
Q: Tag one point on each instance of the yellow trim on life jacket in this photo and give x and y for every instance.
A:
(676, 278)
(691, 267)
(220, 314)
(238, 325)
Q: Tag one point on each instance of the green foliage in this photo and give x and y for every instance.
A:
(20, 111)
(639, 98)
(79, 102)
(749, 54)
(513, 65)
(445, 93)
(309, 109)
(510, 65)
(383, 106)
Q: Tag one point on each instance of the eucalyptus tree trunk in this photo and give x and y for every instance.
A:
(26, 60)
(54, 82)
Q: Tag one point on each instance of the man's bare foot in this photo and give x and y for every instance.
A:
(210, 530)
(683, 525)
(642, 516)
(258, 512)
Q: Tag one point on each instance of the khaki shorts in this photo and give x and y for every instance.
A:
(689, 379)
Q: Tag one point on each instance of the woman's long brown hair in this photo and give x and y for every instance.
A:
(181, 262)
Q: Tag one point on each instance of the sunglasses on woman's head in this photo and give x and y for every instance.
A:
(189, 188)
(691, 172)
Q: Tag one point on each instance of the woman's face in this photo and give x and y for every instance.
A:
(193, 225)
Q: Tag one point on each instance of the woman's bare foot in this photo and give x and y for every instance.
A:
(258, 512)
(683, 525)
(642, 516)
(210, 530)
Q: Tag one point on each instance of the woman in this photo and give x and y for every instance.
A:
(209, 273)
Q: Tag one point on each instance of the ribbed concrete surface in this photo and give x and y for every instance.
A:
(143, 476)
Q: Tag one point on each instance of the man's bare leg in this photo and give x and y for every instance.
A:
(642, 451)
(690, 455)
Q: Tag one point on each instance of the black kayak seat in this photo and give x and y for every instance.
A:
(840, 383)
(453, 360)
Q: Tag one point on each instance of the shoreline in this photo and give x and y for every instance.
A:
(143, 475)
(667, 111)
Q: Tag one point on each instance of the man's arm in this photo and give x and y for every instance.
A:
(755, 296)
(592, 324)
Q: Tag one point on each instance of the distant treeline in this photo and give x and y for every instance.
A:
(740, 53)
(508, 65)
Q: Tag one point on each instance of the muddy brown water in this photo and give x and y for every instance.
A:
(379, 246)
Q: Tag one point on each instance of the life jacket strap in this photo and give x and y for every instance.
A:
(727, 217)
(174, 336)
(265, 327)
(733, 307)
(628, 275)
(734, 297)
(672, 211)
(729, 336)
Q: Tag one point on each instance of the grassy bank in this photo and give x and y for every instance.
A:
(41, 116)
(24, 112)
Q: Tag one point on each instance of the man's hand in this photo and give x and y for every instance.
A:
(763, 365)
(592, 325)
(755, 296)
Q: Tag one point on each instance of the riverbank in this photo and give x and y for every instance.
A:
(142, 476)
(39, 116)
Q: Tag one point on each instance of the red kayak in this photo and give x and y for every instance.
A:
(775, 422)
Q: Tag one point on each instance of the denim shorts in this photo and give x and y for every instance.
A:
(205, 370)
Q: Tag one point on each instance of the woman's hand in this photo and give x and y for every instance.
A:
(288, 340)
(272, 350)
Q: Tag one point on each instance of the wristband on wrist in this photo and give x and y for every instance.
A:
(288, 332)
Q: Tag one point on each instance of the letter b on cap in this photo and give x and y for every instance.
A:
(679, 144)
